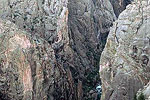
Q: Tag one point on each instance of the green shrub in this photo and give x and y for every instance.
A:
(135, 98)
(141, 97)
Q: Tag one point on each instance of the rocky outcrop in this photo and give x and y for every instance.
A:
(28, 69)
(47, 20)
(77, 51)
(119, 5)
(39, 17)
(124, 64)
(145, 93)
(74, 31)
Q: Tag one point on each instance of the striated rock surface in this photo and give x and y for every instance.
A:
(119, 5)
(73, 32)
(77, 51)
(48, 20)
(28, 68)
(89, 22)
(125, 65)
(45, 18)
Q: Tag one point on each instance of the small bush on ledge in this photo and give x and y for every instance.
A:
(140, 97)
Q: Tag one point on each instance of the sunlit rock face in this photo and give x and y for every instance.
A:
(27, 65)
(45, 18)
(124, 64)
(119, 5)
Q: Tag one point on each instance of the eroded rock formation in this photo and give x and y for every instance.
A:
(145, 93)
(27, 65)
(89, 23)
(77, 52)
(119, 5)
(125, 64)
(73, 32)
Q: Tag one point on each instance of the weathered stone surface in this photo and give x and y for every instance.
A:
(44, 18)
(124, 64)
(145, 92)
(27, 65)
(119, 5)
(77, 51)
(89, 23)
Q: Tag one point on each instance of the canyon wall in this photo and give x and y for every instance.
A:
(119, 5)
(76, 41)
(27, 65)
(124, 64)
(89, 22)
(63, 42)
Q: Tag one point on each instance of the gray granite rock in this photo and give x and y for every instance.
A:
(76, 31)
(124, 64)
(27, 67)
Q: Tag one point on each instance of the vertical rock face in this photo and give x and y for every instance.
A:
(41, 76)
(77, 52)
(125, 65)
(119, 5)
(145, 93)
(60, 57)
(45, 18)
(89, 22)
(27, 65)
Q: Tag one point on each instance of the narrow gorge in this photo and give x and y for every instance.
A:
(55, 49)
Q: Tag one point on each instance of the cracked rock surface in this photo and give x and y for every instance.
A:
(145, 92)
(27, 65)
(73, 32)
(74, 29)
(124, 65)
(119, 5)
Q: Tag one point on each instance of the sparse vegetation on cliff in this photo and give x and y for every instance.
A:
(140, 97)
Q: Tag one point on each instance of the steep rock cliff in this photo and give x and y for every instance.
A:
(124, 64)
(76, 31)
(119, 5)
(145, 93)
(89, 22)
(28, 69)
(77, 52)
(45, 18)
